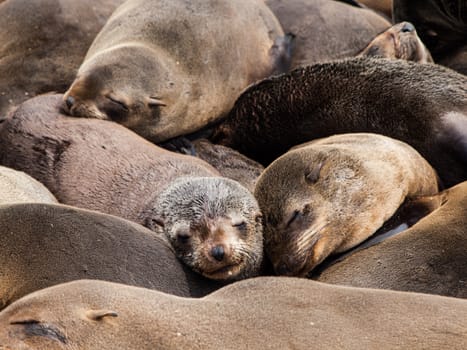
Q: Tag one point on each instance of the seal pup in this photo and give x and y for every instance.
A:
(424, 105)
(398, 42)
(258, 313)
(44, 43)
(429, 257)
(325, 30)
(18, 187)
(44, 244)
(100, 165)
(163, 72)
(329, 195)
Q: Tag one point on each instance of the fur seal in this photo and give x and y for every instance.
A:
(162, 71)
(429, 257)
(326, 30)
(100, 165)
(382, 6)
(44, 43)
(258, 313)
(329, 195)
(399, 41)
(18, 187)
(44, 244)
(424, 105)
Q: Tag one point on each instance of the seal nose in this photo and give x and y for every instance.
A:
(407, 27)
(70, 101)
(282, 269)
(218, 252)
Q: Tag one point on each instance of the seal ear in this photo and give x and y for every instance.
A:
(155, 102)
(312, 176)
(98, 315)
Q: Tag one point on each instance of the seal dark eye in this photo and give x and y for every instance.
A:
(295, 215)
(38, 329)
(240, 225)
(115, 109)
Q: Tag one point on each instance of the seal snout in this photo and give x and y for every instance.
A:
(69, 101)
(407, 27)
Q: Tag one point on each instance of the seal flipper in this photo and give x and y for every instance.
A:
(180, 145)
(281, 53)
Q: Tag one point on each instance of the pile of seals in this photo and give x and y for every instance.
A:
(199, 143)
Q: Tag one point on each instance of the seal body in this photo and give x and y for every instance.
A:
(326, 30)
(167, 68)
(329, 195)
(424, 105)
(399, 42)
(18, 187)
(290, 312)
(44, 244)
(100, 165)
(44, 43)
(429, 257)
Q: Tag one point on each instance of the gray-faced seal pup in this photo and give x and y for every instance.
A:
(329, 195)
(43, 44)
(258, 313)
(398, 42)
(429, 257)
(165, 68)
(44, 244)
(100, 165)
(18, 187)
(326, 30)
(424, 105)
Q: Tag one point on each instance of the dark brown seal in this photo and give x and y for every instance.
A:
(326, 30)
(398, 42)
(101, 165)
(43, 43)
(43, 244)
(329, 195)
(424, 105)
(430, 257)
(260, 313)
(165, 68)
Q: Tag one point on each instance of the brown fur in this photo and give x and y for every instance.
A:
(43, 44)
(329, 195)
(18, 187)
(229, 163)
(100, 165)
(383, 6)
(326, 29)
(162, 71)
(429, 257)
(403, 100)
(260, 313)
(42, 245)
(398, 42)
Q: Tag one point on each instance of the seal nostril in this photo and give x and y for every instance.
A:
(70, 101)
(407, 28)
(218, 252)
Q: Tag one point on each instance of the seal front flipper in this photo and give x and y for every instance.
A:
(281, 53)
(180, 145)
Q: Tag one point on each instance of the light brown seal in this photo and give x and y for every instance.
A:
(382, 6)
(165, 68)
(43, 244)
(101, 165)
(329, 195)
(424, 105)
(398, 42)
(18, 187)
(326, 30)
(430, 257)
(259, 313)
(43, 44)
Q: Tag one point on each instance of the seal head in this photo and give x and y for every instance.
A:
(214, 225)
(398, 42)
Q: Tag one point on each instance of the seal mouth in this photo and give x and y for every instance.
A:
(228, 271)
